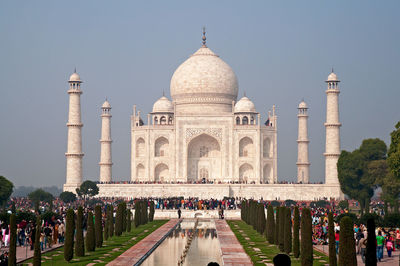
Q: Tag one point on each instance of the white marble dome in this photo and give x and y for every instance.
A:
(106, 105)
(302, 105)
(332, 77)
(163, 105)
(204, 77)
(75, 77)
(245, 105)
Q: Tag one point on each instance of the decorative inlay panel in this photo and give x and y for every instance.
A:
(194, 132)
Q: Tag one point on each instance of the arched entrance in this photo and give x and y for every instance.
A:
(161, 173)
(204, 159)
(246, 173)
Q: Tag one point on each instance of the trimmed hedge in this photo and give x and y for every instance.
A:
(287, 241)
(90, 234)
(69, 236)
(347, 248)
(98, 227)
(332, 241)
(80, 243)
(270, 230)
(296, 229)
(306, 252)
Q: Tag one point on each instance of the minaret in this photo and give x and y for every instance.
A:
(74, 149)
(303, 164)
(332, 125)
(105, 142)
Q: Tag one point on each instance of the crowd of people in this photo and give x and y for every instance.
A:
(53, 229)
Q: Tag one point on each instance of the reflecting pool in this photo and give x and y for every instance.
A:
(204, 246)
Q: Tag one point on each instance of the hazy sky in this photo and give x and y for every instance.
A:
(281, 52)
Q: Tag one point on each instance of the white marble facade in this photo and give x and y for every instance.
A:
(204, 133)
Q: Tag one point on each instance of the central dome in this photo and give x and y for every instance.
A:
(204, 81)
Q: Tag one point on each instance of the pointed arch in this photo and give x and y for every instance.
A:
(161, 147)
(140, 171)
(246, 147)
(140, 147)
(267, 148)
(161, 173)
(267, 174)
(246, 173)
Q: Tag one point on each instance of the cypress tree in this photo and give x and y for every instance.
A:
(37, 253)
(332, 241)
(124, 215)
(370, 256)
(107, 225)
(111, 222)
(152, 211)
(137, 214)
(282, 219)
(277, 225)
(306, 252)
(90, 234)
(347, 248)
(296, 228)
(128, 221)
(69, 236)
(12, 252)
(98, 227)
(118, 220)
(80, 245)
(288, 231)
(270, 230)
(145, 213)
(262, 220)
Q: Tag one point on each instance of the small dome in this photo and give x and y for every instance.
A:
(75, 77)
(163, 105)
(303, 105)
(332, 77)
(245, 105)
(106, 105)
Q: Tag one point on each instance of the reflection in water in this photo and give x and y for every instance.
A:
(204, 248)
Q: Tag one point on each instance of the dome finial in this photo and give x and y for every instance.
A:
(332, 70)
(75, 70)
(163, 93)
(244, 94)
(204, 37)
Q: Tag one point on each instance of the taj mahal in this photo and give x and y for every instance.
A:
(205, 142)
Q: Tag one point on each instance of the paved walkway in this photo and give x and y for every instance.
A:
(386, 261)
(135, 253)
(232, 251)
(24, 253)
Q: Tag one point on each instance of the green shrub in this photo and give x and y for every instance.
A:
(332, 241)
(392, 220)
(306, 252)
(118, 220)
(289, 203)
(347, 248)
(270, 230)
(282, 220)
(152, 211)
(98, 226)
(90, 234)
(12, 253)
(111, 222)
(296, 237)
(370, 257)
(287, 242)
(69, 236)
(275, 203)
(277, 225)
(37, 253)
(80, 245)
(128, 221)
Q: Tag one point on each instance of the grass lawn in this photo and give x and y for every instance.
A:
(111, 249)
(266, 250)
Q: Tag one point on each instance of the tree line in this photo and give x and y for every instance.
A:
(291, 231)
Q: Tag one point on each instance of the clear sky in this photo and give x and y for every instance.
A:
(281, 52)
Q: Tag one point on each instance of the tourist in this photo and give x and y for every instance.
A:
(389, 245)
(379, 245)
(397, 238)
(363, 245)
(42, 239)
(282, 260)
(179, 213)
(337, 241)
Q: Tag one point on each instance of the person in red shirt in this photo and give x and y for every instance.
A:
(337, 241)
